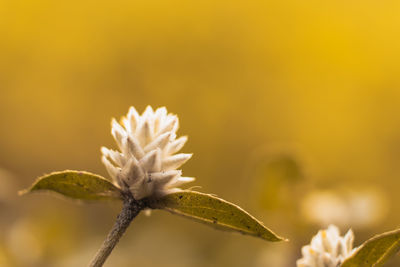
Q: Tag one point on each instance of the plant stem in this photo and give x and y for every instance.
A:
(130, 210)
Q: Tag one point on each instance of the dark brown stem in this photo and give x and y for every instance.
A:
(130, 210)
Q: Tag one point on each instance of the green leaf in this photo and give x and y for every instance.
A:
(77, 185)
(375, 251)
(215, 212)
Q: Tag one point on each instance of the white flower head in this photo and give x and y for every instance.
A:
(327, 249)
(146, 163)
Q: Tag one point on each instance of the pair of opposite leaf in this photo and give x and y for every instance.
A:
(145, 166)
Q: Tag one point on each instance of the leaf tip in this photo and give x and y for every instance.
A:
(278, 239)
(23, 192)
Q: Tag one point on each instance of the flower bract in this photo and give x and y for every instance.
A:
(327, 249)
(147, 162)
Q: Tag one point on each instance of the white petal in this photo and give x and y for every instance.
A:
(148, 112)
(131, 172)
(111, 169)
(144, 133)
(161, 112)
(148, 115)
(115, 156)
(175, 161)
(160, 115)
(118, 133)
(151, 162)
(327, 245)
(134, 148)
(161, 178)
(180, 181)
(169, 125)
(176, 145)
(133, 117)
(316, 241)
(333, 231)
(127, 124)
(348, 239)
(302, 263)
(159, 142)
(305, 250)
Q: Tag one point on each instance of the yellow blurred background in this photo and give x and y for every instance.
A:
(291, 108)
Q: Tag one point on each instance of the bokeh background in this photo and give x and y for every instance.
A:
(291, 108)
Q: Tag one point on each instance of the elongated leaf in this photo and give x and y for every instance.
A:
(215, 212)
(77, 185)
(375, 251)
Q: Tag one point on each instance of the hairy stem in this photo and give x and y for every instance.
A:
(130, 210)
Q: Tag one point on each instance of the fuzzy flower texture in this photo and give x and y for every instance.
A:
(327, 249)
(146, 163)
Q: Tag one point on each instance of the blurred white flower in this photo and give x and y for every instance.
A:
(361, 208)
(146, 163)
(327, 249)
(324, 207)
(368, 207)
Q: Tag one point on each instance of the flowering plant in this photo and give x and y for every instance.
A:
(144, 175)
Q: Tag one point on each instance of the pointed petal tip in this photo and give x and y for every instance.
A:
(22, 192)
(132, 110)
(176, 145)
(148, 110)
(175, 161)
(163, 109)
(180, 181)
(104, 158)
(186, 156)
(116, 127)
(187, 179)
(113, 121)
